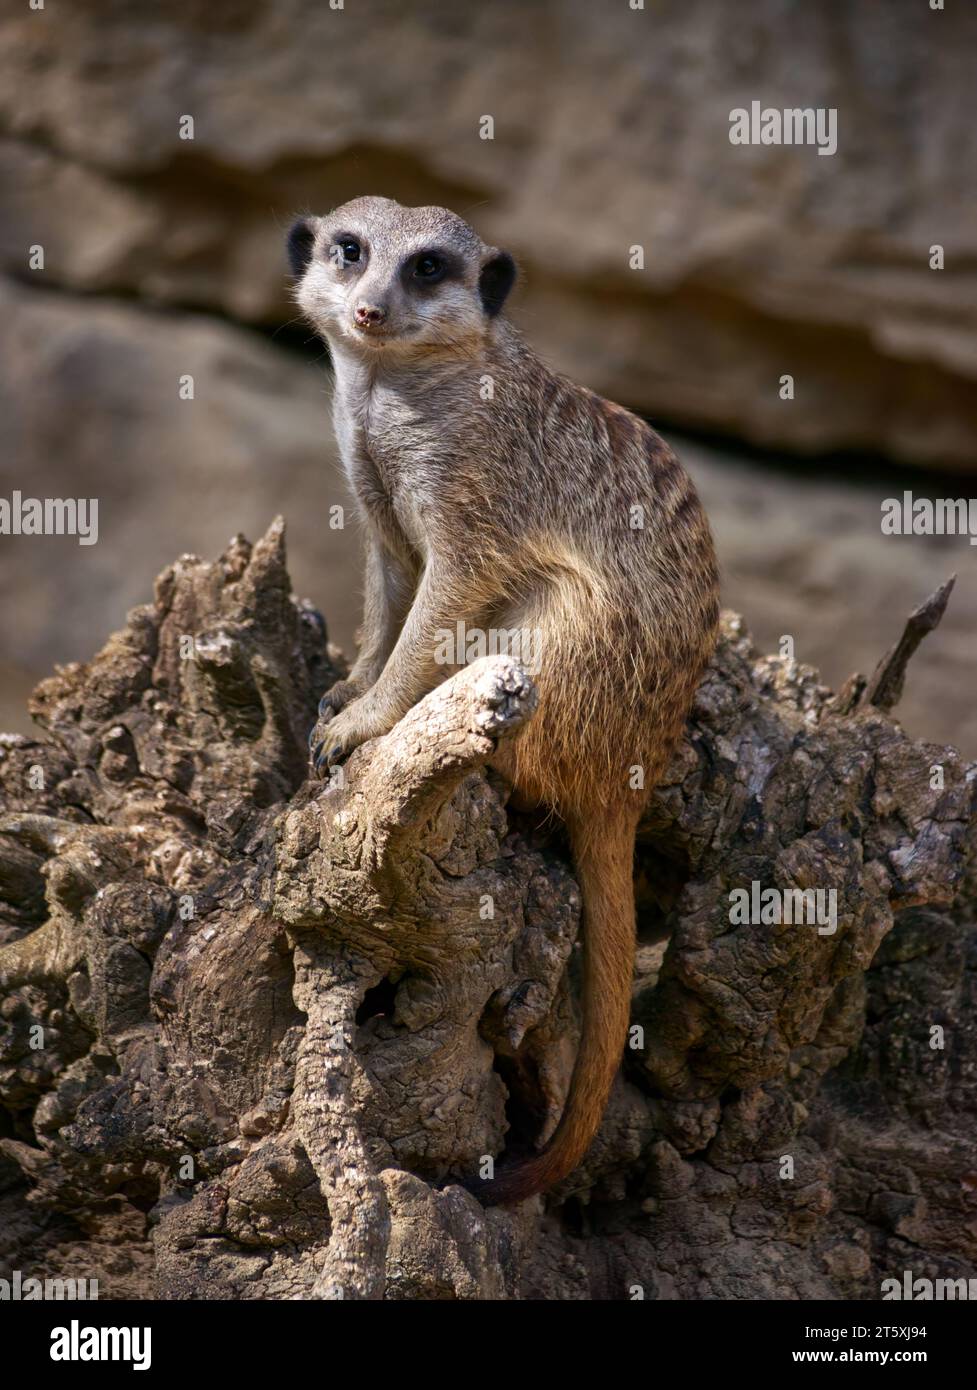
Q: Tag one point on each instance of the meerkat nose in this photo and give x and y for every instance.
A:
(370, 314)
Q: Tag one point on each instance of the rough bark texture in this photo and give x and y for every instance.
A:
(251, 1027)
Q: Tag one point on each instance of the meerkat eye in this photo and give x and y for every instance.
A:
(429, 267)
(350, 250)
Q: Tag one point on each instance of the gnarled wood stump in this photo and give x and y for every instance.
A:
(252, 1027)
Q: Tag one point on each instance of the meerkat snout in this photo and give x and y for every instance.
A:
(369, 315)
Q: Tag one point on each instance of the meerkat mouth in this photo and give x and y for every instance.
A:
(381, 335)
(369, 338)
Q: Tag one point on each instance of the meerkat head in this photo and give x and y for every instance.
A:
(391, 279)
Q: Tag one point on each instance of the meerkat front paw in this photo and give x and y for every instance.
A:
(336, 698)
(337, 737)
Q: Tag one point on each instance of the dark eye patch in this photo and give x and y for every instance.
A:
(346, 249)
(429, 267)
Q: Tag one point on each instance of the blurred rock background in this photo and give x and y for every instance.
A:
(163, 257)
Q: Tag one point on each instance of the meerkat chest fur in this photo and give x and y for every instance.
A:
(399, 431)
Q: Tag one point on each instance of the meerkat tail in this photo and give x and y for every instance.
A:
(603, 852)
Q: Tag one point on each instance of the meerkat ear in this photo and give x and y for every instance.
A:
(497, 277)
(301, 239)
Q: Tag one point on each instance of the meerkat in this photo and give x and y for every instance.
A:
(495, 493)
